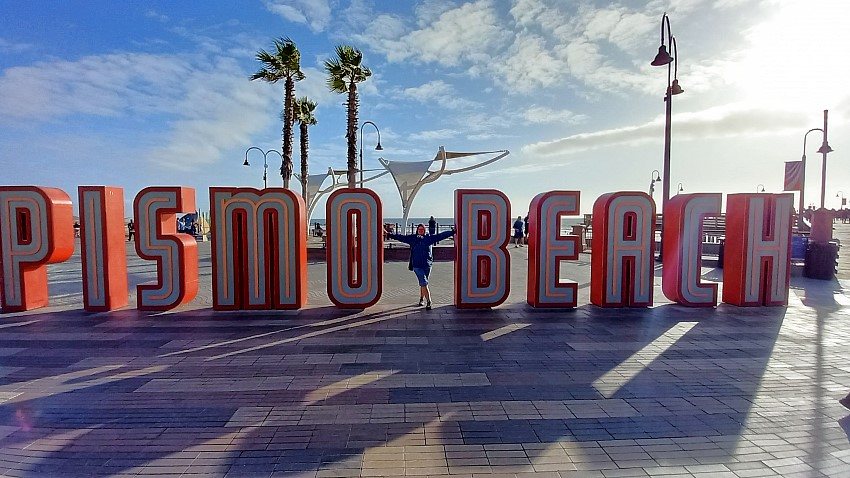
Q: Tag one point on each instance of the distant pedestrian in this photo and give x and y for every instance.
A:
(131, 230)
(421, 257)
(76, 229)
(432, 226)
(517, 237)
(525, 222)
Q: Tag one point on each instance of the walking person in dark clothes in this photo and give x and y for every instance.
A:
(432, 226)
(131, 230)
(421, 257)
(517, 236)
(525, 222)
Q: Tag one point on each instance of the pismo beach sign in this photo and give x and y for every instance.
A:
(259, 248)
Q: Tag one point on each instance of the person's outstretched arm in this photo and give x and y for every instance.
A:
(407, 239)
(439, 237)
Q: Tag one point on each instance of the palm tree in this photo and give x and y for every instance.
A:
(283, 64)
(304, 116)
(344, 72)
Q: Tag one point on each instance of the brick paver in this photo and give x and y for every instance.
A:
(398, 391)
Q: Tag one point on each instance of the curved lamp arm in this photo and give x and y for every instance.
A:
(806, 137)
(665, 19)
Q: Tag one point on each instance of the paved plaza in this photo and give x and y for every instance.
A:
(396, 390)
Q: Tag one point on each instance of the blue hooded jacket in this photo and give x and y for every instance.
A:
(420, 246)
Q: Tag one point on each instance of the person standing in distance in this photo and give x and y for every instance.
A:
(422, 257)
(432, 226)
(525, 221)
(518, 232)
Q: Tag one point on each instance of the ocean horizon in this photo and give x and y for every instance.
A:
(446, 222)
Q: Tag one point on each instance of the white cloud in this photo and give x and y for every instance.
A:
(209, 105)
(217, 113)
(526, 167)
(485, 136)
(528, 12)
(8, 46)
(440, 93)
(477, 122)
(631, 31)
(541, 45)
(723, 121)
(527, 65)
(428, 91)
(314, 13)
(429, 11)
(386, 35)
(101, 85)
(537, 114)
(463, 34)
(547, 15)
(156, 15)
(600, 23)
(680, 7)
(467, 32)
(723, 4)
(438, 134)
(627, 30)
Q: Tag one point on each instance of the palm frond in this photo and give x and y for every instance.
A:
(304, 108)
(346, 68)
(284, 62)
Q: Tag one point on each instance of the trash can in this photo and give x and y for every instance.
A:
(821, 260)
(799, 245)
(721, 252)
(579, 230)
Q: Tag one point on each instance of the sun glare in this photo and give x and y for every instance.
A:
(797, 58)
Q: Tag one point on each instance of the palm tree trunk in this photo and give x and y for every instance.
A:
(305, 143)
(288, 119)
(351, 135)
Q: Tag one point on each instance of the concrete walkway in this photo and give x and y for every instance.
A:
(395, 390)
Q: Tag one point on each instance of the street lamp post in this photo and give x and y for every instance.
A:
(656, 176)
(760, 188)
(265, 162)
(843, 201)
(377, 148)
(663, 58)
(824, 149)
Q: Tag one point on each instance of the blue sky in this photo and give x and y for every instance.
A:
(134, 94)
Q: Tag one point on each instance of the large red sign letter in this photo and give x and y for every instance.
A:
(548, 248)
(155, 210)
(104, 250)
(756, 267)
(622, 263)
(36, 229)
(683, 219)
(355, 248)
(259, 249)
(482, 263)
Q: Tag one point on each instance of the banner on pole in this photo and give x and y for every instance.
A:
(793, 175)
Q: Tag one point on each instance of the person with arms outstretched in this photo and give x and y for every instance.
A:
(422, 257)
